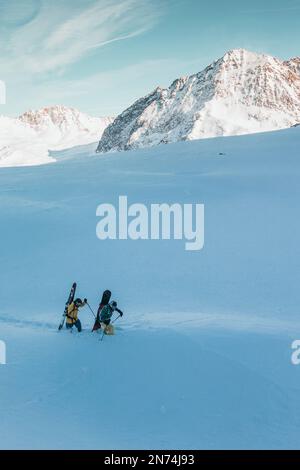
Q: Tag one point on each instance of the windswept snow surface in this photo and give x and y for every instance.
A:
(202, 358)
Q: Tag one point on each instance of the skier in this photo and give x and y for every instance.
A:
(72, 314)
(106, 314)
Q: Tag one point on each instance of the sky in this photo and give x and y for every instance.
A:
(101, 55)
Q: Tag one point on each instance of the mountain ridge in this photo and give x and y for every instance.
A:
(64, 126)
(241, 93)
(27, 140)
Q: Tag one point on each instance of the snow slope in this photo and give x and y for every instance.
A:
(241, 93)
(27, 140)
(202, 358)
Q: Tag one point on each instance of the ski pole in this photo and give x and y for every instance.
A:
(91, 309)
(116, 319)
(102, 337)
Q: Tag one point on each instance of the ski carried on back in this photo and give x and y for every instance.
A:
(69, 301)
(104, 301)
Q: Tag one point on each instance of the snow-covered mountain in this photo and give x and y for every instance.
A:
(62, 127)
(20, 145)
(241, 93)
(27, 140)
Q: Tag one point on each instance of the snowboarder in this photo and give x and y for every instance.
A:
(104, 301)
(72, 314)
(105, 317)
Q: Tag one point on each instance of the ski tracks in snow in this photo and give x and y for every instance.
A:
(175, 321)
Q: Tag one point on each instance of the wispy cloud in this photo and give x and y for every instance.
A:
(59, 35)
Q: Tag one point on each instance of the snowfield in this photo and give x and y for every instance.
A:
(202, 358)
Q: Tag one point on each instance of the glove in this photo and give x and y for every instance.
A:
(121, 314)
(85, 301)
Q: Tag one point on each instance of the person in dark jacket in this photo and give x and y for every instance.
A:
(106, 314)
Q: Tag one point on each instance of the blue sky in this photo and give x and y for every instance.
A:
(101, 55)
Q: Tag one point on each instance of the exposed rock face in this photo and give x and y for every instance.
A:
(240, 93)
(62, 127)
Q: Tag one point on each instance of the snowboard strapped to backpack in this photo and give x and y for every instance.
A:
(104, 301)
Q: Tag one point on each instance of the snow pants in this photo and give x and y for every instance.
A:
(69, 326)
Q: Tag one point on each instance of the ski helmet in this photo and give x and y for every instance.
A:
(78, 302)
(113, 305)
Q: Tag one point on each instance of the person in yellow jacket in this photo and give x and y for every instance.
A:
(72, 314)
